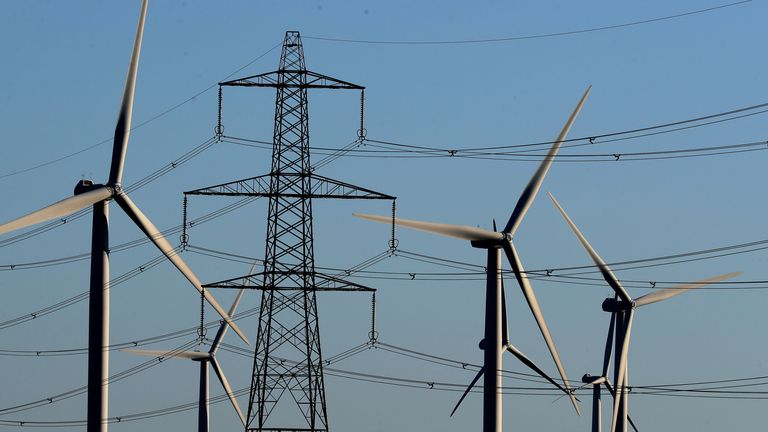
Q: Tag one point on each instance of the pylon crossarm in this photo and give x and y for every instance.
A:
(272, 79)
(321, 187)
(323, 282)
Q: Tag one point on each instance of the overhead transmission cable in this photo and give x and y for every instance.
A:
(138, 125)
(531, 36)
(83, 295)
(84, 389)
(541, 391)
(536, 151)
(128, 344)
(165, 169)
(471, 271)
(682, 390)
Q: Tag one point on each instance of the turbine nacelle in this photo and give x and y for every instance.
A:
(87, 185)
(617, 305)
(591, 379)
(493, 243)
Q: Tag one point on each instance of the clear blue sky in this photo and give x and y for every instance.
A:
(62, 74)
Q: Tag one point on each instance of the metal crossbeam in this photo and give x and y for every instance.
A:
(311, 80)
(324, 283)
(321, 187)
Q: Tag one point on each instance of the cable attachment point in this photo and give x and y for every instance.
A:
(362, 132)
(202, 330)
(373, 335)
(219, 129)
(184, 236)
(393, 242)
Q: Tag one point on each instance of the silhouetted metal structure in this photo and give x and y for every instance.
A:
(288, 320)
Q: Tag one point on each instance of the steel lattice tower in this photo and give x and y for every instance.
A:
(288, 360)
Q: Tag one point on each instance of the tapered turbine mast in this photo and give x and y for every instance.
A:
(205, 359)
(622, 308)
(98, 196)
(496, 339)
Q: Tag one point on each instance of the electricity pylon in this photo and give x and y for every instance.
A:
(288, 320)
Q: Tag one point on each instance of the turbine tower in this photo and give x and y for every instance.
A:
(494, 242)
(288, 321)
(622, 308)
(98, 195)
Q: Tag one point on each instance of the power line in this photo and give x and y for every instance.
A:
(129, 344)
(84, 389)
(83, 295)
(527, 151)
(717, 392)
(147, 414)
(528, 37)
(145, 122)
(477, 272)
(165, 169)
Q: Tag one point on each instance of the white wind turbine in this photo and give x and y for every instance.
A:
(507, 345)
(86, 194)
(205, 359)
(622, 308)
(494, 242)
(599, 381)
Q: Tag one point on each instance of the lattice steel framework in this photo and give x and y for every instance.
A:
(288, 320)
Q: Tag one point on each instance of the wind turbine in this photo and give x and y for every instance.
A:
(205, 358)
(622, 308)
(494, 242)
(506, 345)
(599, 381)
(86, 194)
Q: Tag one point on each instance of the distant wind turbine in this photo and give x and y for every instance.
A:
(599, 381)
(495, 341)
(622, 308)
(205, 358)
(87, 194)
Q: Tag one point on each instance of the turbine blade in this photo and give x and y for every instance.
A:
(466, 392)
(526, 361)
(151, 231)
(227, 388)
(530, 191)
(192, 355)
(456, 231)
(666, 293)
(223, 327)
(608, 346)
(621, 392)
(58, 209)
(608, 275)
(533, 303)
(123, 127)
